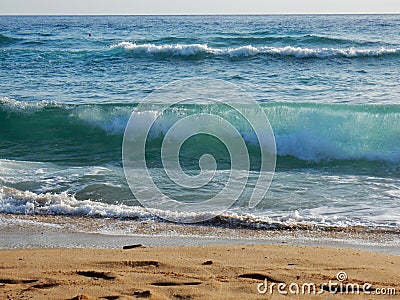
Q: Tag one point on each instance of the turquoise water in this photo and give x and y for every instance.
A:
(328, 85)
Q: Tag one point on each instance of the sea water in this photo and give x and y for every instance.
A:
(329, 85)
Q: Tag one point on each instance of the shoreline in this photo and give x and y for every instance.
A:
(33, 231)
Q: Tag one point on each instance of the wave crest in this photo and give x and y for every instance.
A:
(203, 50)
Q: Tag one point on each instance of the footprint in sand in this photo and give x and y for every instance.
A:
(17, 281)
(142, 294)
(95, 274)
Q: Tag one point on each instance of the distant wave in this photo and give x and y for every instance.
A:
(309, 132)
(203, 50)
(6, 39)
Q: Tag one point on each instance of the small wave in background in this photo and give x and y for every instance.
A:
(204, 51)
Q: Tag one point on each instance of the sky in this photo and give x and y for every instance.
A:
(133, 7)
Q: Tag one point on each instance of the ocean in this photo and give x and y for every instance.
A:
(328, 84)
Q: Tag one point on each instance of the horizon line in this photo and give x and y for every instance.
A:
(202, 14)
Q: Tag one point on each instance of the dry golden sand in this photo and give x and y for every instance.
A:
(209, 272)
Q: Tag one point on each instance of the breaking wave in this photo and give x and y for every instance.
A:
(309, 132)
(203, 51)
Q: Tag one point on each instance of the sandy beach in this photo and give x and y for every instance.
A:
(196, 272)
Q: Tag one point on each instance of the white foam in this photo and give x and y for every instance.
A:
(26, 202)
(178, 49)
(14, 201)
(13, 105)
(249, 50)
